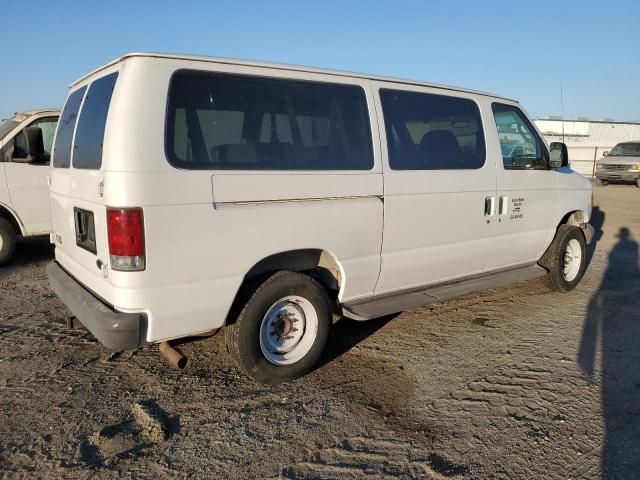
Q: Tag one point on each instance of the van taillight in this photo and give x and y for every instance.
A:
(125, 229)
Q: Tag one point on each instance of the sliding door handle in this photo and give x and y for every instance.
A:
(489, 206)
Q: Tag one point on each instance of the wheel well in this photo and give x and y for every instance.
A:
(320, 264)
(575, 218)
(8, 216)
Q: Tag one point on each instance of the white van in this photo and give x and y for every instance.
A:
(195, 193)
(25, 152)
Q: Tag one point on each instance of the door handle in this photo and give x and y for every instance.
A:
(503, 205)
(489, 206)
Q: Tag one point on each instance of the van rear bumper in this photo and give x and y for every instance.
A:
(115, 330)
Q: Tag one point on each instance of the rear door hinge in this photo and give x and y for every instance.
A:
(101, 188)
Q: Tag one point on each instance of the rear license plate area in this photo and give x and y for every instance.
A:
(85, 230)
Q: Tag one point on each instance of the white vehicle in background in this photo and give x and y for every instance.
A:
(25, 153)
(194, 193)
(621, 164)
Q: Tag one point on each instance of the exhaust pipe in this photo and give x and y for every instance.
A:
(174, 356)
(72, 323)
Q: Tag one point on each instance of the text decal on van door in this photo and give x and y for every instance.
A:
(516, 208)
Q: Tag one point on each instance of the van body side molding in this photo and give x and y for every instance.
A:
(217, 205)
(398, 302)
(251, 188)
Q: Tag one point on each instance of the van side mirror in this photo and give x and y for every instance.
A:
(558, 155)
(29, 146)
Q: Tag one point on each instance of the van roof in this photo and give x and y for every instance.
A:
(28, 113)
(22, 116)
(281, 66)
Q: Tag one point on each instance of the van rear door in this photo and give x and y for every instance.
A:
(77, 203)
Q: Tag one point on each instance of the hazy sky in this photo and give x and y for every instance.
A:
(514, 48)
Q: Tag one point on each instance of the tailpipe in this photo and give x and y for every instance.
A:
(174, 356)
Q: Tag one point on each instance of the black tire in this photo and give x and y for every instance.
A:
(7, 241)
(638, 182)
(243, 335)
(602, 182)
(554, 258)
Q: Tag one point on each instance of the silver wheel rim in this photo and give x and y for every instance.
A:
(288, 330)
(572, 260)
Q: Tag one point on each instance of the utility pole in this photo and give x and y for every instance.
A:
(562, 110)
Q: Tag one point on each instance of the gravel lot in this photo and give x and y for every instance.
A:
(511, 383)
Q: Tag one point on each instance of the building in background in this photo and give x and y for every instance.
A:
(587, 140)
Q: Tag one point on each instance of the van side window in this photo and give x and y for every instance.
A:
(93, 118)
(432, 132)
(240, 122)
(47, 126)
(521, 147)
(20, 146)
(66, 125)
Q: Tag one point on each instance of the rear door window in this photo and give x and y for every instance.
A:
(64, 135)
(93, 118)
(432, 132)
(239, 122)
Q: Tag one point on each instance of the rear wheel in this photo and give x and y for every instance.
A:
(565, 259)
(7, 241)
(280, 333)
(601, 182)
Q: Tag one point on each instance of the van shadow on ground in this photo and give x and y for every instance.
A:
(611, 333)
(28, 251)
(597, 222)
(346, 333)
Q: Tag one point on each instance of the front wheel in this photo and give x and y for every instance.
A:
(638, 182)
(282, 330)
(7, 241)
(602, 182)
(565, 259)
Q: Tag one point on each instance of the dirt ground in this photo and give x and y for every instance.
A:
(510, 383)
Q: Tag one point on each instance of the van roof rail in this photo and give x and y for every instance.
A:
(234, 61)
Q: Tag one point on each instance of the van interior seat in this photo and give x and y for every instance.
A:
(440, 149)
(254, 155)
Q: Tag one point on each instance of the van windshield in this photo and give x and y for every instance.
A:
(7, 126)
(625, 150)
